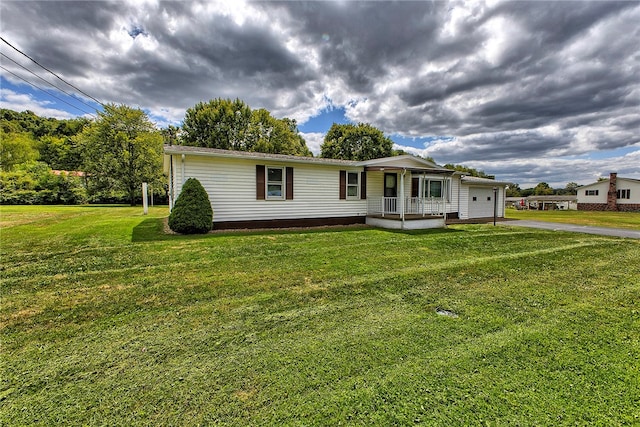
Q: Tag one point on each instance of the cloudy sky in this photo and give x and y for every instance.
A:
(528, 91)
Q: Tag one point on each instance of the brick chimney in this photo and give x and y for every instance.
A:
(612, 202)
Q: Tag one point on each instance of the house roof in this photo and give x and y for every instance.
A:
(475, 180)
(216, 152)
(606, 182)
(404, 162)
(555, 198)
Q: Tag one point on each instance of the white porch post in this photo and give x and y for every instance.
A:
(401, 198)
(445, 193)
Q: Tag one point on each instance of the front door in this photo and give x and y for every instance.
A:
(390, 185)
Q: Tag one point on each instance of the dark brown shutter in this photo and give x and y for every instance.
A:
(415, 185)
(363, 185)
(343, 185)
(260, 186)
(289, 183)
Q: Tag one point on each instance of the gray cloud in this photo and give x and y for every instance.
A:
(507, 81)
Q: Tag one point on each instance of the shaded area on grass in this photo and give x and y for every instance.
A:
(155, 229)
(149, 230)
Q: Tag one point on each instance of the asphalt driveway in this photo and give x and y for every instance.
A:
(556, 226)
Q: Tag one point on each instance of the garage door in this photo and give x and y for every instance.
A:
(480, 202)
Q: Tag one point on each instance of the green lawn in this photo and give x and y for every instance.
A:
(107, 321)
(591, 218)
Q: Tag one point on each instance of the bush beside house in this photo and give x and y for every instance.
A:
(192, 212)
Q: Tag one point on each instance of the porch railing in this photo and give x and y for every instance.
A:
(424, 206)
(412, 206)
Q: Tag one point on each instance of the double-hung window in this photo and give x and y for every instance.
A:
(432, 188)
(591, 192)
(275, 183)
(624, 194)
(435, 189)
(353, 185)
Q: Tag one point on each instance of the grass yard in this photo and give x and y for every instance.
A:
(107, 321)
(630, 220)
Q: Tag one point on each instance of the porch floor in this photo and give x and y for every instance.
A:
(407, 217)
(484, 220)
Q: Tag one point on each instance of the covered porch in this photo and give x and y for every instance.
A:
(410, 213)
(407, 192)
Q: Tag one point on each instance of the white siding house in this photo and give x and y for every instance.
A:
(614, 194)
(249, 190)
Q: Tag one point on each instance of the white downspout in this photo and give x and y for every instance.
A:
(182, 172)
(171, 182)
(459, 191)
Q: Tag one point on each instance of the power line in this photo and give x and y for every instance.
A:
(45, 68)
(47, 92)
(48, 82)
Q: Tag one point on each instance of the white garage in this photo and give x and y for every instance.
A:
(479, 198)
(480, 202)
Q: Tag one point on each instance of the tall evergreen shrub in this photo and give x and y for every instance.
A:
(192, 212)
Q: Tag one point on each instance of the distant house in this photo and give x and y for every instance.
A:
(249, 190)
(614, 194)
(67, 173)
(544, 203)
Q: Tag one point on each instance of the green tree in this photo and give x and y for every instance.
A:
(52, 138)
(59, 152)
(542, 189)
(219, 123)
(527, 192)
(16, 148)
(232, 125)
(266, 134)
(570, 188)
(33, 183)
(296, 141)
(171, 134)
(122, 149)
(468, 170)
(355, 142)
(513, 190)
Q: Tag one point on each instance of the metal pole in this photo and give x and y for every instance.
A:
(495, 204)
(145, 200)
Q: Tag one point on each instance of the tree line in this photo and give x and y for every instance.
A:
(74, 161)
(105, 160)
(542, 189)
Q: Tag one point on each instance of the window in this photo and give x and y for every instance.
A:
(435, 189)
(432, 188)
(623, 194)
(488, 198)
(275, 181)
(353, 185)
(475, 199)
(591, 192)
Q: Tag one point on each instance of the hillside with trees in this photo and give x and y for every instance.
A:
(53, 161)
